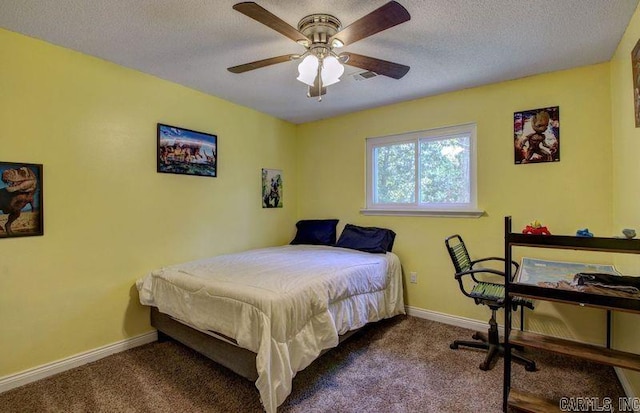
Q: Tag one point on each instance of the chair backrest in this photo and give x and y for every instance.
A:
(458, 253)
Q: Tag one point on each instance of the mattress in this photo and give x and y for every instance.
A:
(286, 304)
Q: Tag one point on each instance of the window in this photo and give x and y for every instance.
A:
(431, 172)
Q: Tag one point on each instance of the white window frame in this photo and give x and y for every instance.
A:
(416, 208)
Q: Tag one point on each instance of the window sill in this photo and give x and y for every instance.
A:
(447, 213)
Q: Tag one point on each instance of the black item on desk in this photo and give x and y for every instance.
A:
(617, 282)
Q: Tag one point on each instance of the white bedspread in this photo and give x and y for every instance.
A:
(286, 304)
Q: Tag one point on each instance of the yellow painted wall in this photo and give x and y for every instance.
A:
(109, 217)
(626, 179)
(332, 165)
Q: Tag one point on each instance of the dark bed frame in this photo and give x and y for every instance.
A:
(236, 359)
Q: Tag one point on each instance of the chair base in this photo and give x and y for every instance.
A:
(494, 349)
(491, 343)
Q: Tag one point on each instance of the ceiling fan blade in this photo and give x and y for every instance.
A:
(379, 66)
(269, 19)
(261, 63)
(389, 15)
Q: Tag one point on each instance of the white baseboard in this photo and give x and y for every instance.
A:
(49, 369)
(28, 376)
(471, 324)
(453, 320)
(624, 381)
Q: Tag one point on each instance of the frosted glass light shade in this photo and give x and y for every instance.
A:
(308, 70)
(331, 71)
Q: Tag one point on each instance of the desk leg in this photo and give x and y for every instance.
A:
(608, 328)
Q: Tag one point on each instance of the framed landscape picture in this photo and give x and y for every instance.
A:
(187, 152)
(21, 210)
(536, 135)
(271, 188)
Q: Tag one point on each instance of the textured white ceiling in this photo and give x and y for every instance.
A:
(449, 44)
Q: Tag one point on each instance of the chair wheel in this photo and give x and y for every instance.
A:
(453, 346)
(530, 367)
(484, 366)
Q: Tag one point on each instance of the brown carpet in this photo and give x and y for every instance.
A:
(399, 365)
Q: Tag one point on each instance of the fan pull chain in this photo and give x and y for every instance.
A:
(320, 79)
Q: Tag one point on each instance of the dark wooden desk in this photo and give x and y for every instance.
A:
(599, 299)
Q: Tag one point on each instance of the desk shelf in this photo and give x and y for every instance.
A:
(591, 352)
(606, 302)
(576, 243)
(527, 402)
(519, 401)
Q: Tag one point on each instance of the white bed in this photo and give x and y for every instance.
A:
(286, 304)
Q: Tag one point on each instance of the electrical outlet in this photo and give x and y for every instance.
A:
(413, 277)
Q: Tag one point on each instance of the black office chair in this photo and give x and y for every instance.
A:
(490, 294)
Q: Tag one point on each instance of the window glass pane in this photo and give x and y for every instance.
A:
(430, 172)
(394, 180)
(444, 170)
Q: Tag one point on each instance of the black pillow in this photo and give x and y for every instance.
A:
(316, 232)
(367, 239)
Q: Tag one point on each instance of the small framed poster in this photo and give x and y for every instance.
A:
(21, 210)
(635, 70)
(271, 188)
(536, 135)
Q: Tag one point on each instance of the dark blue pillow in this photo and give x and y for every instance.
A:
(316, 232)
(367, 239)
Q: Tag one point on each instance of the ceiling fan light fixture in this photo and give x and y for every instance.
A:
(331, 71)
(308, 70)
(343, 58)
(337, 43)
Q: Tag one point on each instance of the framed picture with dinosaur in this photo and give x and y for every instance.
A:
(187, 152)
(21, 208)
